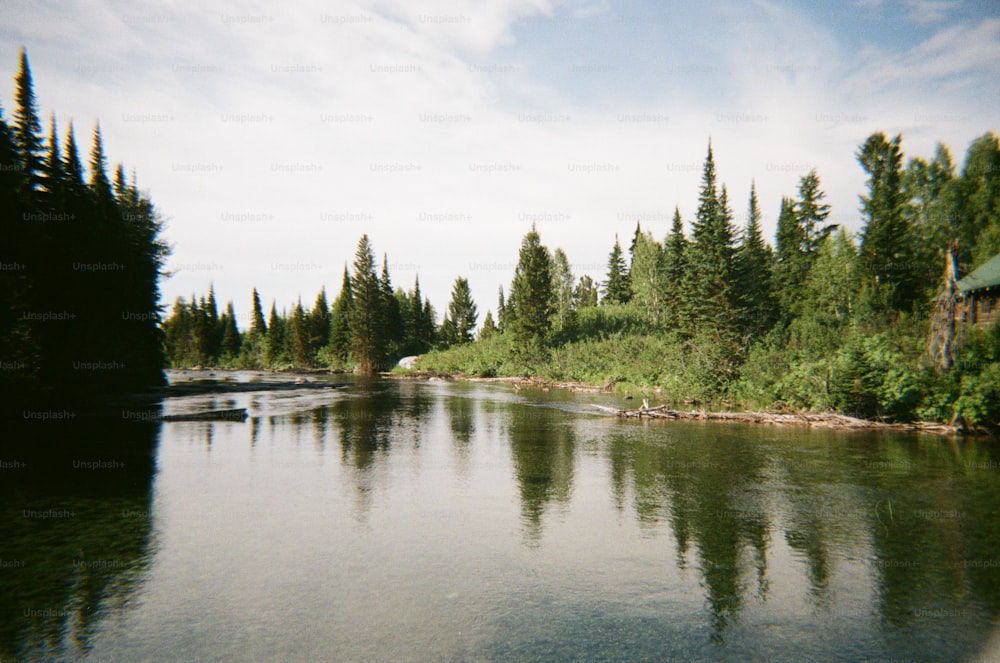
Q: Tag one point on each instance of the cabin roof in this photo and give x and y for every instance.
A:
(986, 276)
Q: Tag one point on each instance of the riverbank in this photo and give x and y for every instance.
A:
(827, 420)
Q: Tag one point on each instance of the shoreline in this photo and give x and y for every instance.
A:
(827, 420)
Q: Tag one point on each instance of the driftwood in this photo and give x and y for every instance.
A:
(811, 420)
(236, 414)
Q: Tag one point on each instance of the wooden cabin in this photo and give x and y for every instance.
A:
(979, 295)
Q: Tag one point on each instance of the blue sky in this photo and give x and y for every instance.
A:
(271, 138)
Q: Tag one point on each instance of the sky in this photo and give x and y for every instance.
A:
(271, 138)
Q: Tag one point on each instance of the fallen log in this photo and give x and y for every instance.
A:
(808, 419)
(236, 414)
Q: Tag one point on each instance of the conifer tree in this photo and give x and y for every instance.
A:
(489, 328)
(392, 318)
(790, 261)
(885, 251)
(529, 316)
(231, 340)
(340, 320)
(297, 337)
(617, 289)
(753, 274)
(675, 271)
(811, 212)
(318, 324)
(28, 129)
(275, 345)
(462, 310)
(708, 294)
(367, 316)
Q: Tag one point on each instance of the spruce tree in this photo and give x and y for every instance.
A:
(28, 129)
(275, 345)
(489, 328)
(367, 316)
(811, 212)
(462, 311)
(297, 338)
(708, 293)
(340, 320)
(753, 274)
(318, 324)
(617, 289)
(790, 261)
(531, 292)
(231, 334)
(675, 271)
(885, 250)
(392, 319)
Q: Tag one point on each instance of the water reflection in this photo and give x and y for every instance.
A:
(542, 450)
(75, 530)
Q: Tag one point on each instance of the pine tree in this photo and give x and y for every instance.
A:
(753, 274)
(790, 262)
(340, 320)
(675, 271)
(708, 293)
(392, 319)
(885, 250)
(231, 340)
(367, 316)
(28, 129)
(462, 311)
(529, 316)
(811, 212)
(275, 345)
(501, 312)
(489, 328)
(617, 289)
(318, 324)
(297, 338)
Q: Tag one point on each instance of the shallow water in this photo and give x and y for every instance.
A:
(440, 521)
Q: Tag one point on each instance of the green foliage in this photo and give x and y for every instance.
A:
(617, 289)
(462, 311)
(529, 311)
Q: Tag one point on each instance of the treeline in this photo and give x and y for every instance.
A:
(368, 327)
(822, 320)
(80, 261)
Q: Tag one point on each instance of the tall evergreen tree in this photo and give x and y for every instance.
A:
(811, 212)
(318, 324)
(675, 271)
(28, 129)
(529, 316)
(885, 250)
(462, 310)
(231, 340)
(297, 337)
(753, 274)
(340, 319)
(392, 318)
(790, 261)
(275, 346)
(709, 295)
(489, 328)
(367, 316)
(617, 289)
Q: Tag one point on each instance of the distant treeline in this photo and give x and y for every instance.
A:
(80, 261)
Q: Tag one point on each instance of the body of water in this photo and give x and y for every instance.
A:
(415, 521)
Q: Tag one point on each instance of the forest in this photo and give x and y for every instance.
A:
(80, 261)
(822, 321)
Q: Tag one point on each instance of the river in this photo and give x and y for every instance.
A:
(436, 521)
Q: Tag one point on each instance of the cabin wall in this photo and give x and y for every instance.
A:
(980, 310)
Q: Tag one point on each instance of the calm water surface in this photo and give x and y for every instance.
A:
(463, 522)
